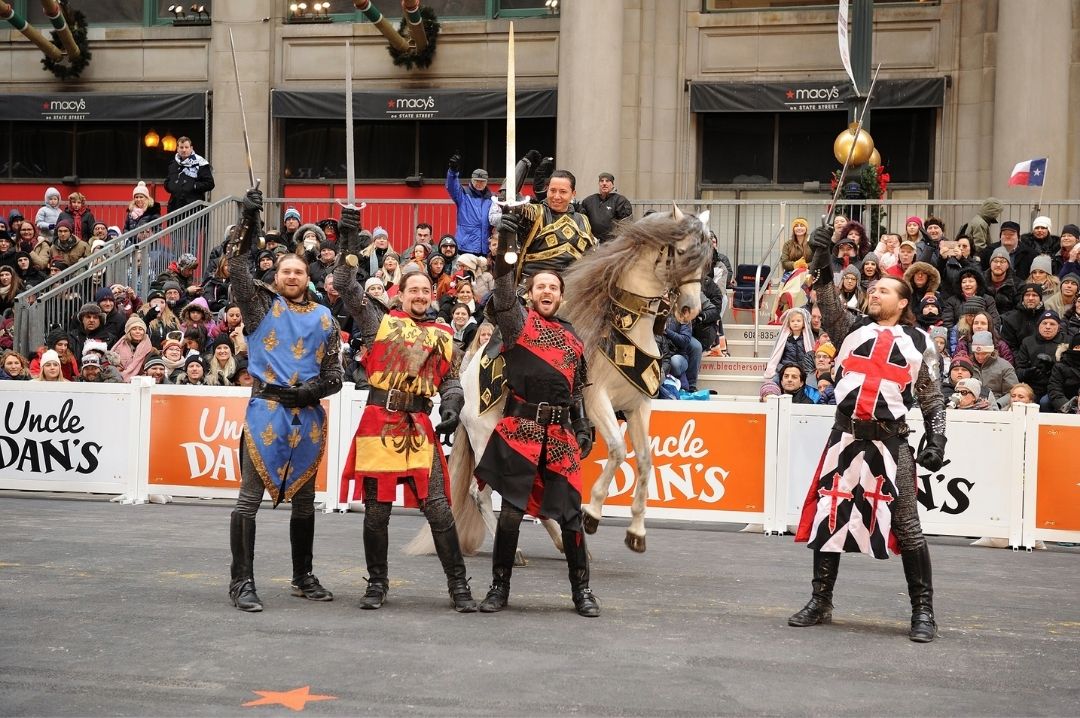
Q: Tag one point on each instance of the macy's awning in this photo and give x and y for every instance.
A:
(822, 96)
(103, 106)
(436, 104)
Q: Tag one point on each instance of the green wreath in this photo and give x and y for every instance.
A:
(67, 69)
(412, 58)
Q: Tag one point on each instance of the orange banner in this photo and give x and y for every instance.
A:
(1057, 500)
(195, 441)
(714, 462)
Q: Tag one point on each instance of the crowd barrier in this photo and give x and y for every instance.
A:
(1007, 474)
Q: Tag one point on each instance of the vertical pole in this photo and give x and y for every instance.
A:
(350, 170)
(862, 46)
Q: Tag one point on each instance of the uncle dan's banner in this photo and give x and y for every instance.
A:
(195, 442)
(703, 463)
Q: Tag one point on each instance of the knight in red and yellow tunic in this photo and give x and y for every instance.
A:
(409, 359)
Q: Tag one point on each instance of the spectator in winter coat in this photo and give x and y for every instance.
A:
(82, 219)
(49, 213)
(960, 368)
(798, 246)
(154, 368)
(869, 271)
(1040, 240)
(1022, 322)
(215, 288)
(1009, 239)
(65, 247)
(1065, 378)
(220, 362)
(473, 204)
(194, 372)
(933, 233)
(857, 233)
(133, 348)
(978, 227)
(91, 325)
(160, 318)
(1035, 359)
(960, 336)
(681, 336)
(1000, 281)
(996, 374)
(142, 209)
(794, 344)
(793, 383)
(971, 291)
(606, 208)
(190, 177)
(1063, 299)
(971, 395)
(1065, 254)
(708, 324)
(196, 315)
(50, 368)
(14, 366)
(1071, 319)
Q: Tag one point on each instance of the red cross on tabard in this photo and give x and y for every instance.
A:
(835, 494)
(875, 496)
(875, 369)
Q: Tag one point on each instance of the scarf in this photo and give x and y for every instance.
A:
(191, 165)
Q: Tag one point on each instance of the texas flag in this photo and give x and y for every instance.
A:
(1029, 174)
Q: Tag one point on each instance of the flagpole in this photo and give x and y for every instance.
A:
(1042, 187)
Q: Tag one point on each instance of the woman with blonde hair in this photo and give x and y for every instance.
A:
(14, 366)
(50, 367)
(798, 246)
(133, 348)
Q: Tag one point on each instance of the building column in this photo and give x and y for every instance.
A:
(590, 90)
(1031, 94)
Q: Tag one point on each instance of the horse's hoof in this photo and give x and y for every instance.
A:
(519, 559)
(589, 523)
(635, 543)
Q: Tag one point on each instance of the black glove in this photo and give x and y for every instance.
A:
(509, 223)
(348, 227)
(252, 204)
(541, 176)
(455, 160)
(298, 397)
(449, 421)
(821, 239)
(532, 157)
(151, 314)
(821, 260)
(1044, 364)
(932, 457)
(584, 441)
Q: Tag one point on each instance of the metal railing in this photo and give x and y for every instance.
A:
(398, 217)
(111, 212)
(133, 260)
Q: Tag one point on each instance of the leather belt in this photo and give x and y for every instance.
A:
(543, 413)
(870, 429)
(397, 400)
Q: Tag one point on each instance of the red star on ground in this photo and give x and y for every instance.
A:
(295, 699)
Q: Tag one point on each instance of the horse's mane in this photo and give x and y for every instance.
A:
(591, 280)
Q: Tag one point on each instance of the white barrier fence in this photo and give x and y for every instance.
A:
(1008, 474)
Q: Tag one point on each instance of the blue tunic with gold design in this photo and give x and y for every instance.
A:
(286, 349)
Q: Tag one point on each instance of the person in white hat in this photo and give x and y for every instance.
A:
(1040, 240)
(143, 208)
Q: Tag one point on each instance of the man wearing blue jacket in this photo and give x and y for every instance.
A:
(473, 203)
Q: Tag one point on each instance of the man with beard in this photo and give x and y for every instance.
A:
(293, 354)
(66, 247)
(863, 496)
(533, 456)
(408, 359)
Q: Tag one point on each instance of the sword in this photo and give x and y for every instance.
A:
(243, 115)
(828, 216)
(350, 166)
(510, 256)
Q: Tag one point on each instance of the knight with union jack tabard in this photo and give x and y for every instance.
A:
(863, 497)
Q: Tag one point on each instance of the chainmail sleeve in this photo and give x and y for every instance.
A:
(366, 312)
(253, 303)
(509, 314)
(835, 317)
(931, 402)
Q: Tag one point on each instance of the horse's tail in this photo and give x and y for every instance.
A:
(467, 517)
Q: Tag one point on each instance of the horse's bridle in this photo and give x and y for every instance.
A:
(658, 306)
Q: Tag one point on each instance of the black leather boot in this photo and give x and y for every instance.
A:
(376, 542)
(453, 563)
(242, 585)
(921, 590)
(304, 582)
(577, 560)
(502, 565)
(819, 608)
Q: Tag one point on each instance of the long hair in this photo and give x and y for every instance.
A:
(595, 276)
(903, 289)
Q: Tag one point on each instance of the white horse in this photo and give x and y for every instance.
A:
(624, 285)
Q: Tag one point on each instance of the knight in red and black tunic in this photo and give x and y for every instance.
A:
(863, 496)
(533, 456)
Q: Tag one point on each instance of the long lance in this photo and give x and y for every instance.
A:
(350, 165)
(828, 216)
(56, 17)
(243, 115)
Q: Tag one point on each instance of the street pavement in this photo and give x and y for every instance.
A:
(109, 610)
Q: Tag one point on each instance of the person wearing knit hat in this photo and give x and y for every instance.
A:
(969, 393)
(769, 388)
(142, 209)
(49, 367)
(114, 231)
(49, 213)
(1042, 222)
(154, 368)
(1064, 385)
(310, 237)
(1072, 230)
(194, 372)
(1022, 321)
(132, 349)
(824, 353)
(1001, 253)
(1040, 240)
(375, 288)
(996, 374)
(797, 245)
(220, 361)
(90, 369)
(291, 220)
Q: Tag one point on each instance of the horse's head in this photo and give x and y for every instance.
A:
(688, 260)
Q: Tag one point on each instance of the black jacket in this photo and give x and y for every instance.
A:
(1035, 361)
(1005, 295)
(604, 213)
(184, 189)
(1019, 324)
(1065, 379)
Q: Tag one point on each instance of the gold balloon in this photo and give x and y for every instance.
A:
(864, 146)
(875, 159)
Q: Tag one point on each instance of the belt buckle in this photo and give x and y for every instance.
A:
(543, 411)
(393, 400)
(864, 430)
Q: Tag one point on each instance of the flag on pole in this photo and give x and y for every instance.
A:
(1029, 174)
(845, 44)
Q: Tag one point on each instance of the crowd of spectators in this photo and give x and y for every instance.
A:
(1004, 316)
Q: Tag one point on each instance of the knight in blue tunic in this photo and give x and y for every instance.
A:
(293, 357)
